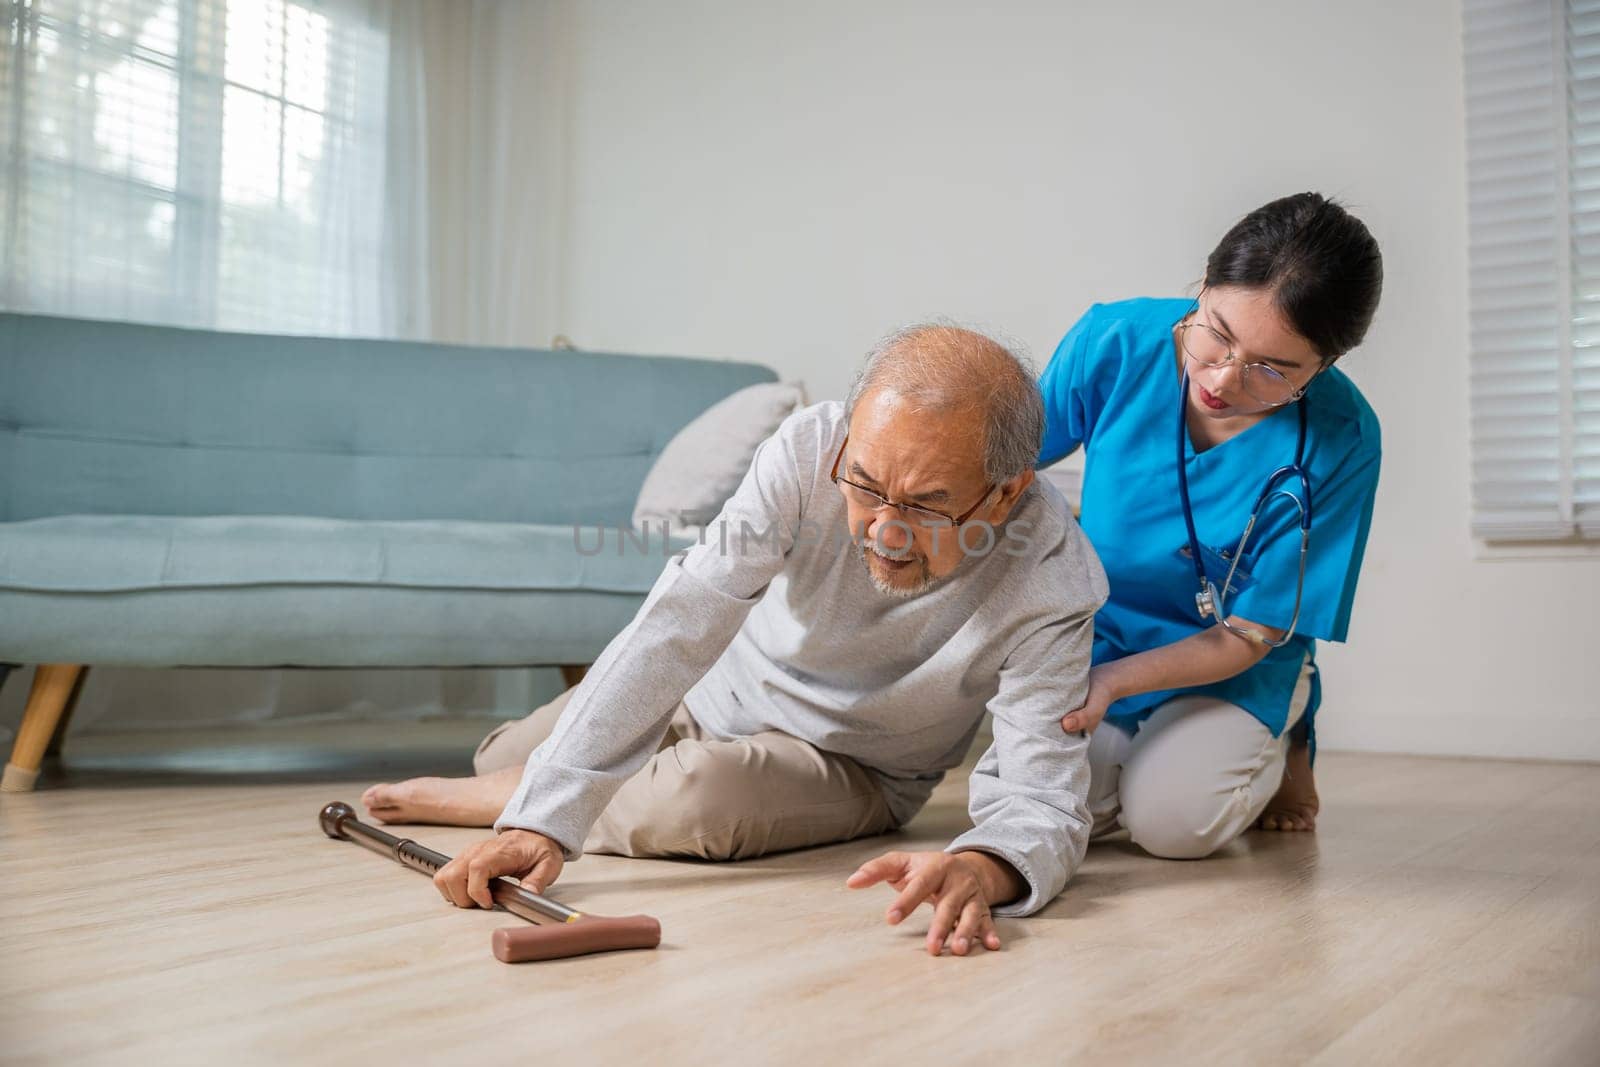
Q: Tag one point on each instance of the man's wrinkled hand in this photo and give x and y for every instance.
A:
(533, 858)
(950, 882)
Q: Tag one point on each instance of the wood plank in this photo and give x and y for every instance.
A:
(1448, 910)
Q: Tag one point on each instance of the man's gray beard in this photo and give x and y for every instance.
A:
(900, 591)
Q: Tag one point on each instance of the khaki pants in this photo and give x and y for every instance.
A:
(1197, 774)
(715, 800)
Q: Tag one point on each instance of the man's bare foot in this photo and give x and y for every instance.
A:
(1295, 806)
(475, 801)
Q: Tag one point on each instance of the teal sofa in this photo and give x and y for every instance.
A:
(188, 498)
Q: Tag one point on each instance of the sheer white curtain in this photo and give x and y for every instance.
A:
(338, 167)
(495, 116)
(196, 162)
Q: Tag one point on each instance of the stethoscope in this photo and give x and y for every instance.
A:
(1209, 600)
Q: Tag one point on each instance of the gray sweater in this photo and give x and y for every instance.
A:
(782, 629)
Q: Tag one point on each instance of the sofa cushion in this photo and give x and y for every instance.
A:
(312, 626)
(116, 553)
(268, 591)
(115, 418)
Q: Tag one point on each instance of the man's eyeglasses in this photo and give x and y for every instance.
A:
(915, 514)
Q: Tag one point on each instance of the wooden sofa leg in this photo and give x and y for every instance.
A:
(572, 673)
(59, 738)
(52, 689)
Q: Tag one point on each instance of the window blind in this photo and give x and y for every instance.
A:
(1583, 94)
(1532, 72)
(1517, 268)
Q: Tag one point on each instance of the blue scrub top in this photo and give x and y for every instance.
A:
(1113, 387)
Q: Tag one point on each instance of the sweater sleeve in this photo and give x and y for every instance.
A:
(618, 714)
(1029, 791)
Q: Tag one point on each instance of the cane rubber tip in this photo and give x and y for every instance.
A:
(331, 816)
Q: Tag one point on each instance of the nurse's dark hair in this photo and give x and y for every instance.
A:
(1320, 263)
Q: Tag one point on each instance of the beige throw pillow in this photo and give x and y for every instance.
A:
(706, 460)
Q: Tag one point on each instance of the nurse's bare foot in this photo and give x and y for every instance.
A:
(475, 801)
(1295, 806)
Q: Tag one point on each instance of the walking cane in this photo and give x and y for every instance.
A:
(559, 931)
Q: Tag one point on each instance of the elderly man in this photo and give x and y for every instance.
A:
(887, 571)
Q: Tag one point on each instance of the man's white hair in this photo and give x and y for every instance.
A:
(946, 368)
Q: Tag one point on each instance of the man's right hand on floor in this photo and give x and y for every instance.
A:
(522, 854)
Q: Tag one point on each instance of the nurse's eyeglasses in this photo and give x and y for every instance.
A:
(915, 514)
(1207, 347)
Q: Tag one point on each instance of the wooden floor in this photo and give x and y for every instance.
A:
(1447, 911)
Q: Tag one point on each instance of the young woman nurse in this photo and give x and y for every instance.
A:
(1201, 724)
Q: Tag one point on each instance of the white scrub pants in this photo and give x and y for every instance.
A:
(1197, 774)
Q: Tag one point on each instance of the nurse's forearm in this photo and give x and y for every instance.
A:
(1208, 656)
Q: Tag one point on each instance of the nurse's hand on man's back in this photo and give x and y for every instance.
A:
(1102, 694)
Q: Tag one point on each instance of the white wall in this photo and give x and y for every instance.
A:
(784, 182)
